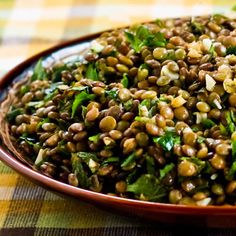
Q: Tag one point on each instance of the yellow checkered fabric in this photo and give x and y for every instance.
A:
(30, 26)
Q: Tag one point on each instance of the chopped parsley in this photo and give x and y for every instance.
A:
(144, 37)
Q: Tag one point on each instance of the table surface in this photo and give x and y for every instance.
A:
(30, 26)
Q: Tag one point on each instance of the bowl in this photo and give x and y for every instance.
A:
(210, 216)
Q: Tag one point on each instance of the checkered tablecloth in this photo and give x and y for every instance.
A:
(30, 26)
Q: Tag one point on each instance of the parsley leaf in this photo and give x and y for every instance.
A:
(160, 23)
(13, 114)
(39, 72)
(94, 138)
(144, 37)
(229, 116)
(112, 94)
(196, 27)
(129, 161)
(231, 50)
(150, 163)
(167, 141)
(85, 156)
(56, 72)
(166, 170)
(148, 186)
(200, 139)
(208, 123)
(232, 170)
(79, 171)
(30, 141)
(79, 99)
(91, 72)
(125, 80)
(110, 160)
(52, 88)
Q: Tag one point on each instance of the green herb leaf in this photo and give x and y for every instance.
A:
(79, 99)
(112, 94)
(148, 186)
(39, 72)
(160, 23)
(85, 156)
(223, 129)
(232, 170)
(79, 171)
(230, 175)
(91, 72)
(156, 40)
(35, 104)
(230, 122)
(208, 123)
(147, 103)
(150, 163)
(110, 160)
(212, 51)
(129, 161)
(231, 50)
(233, 8)
(94, 138)
(167, 169)
(136, 44)
(133, 176)
(200, 139)
(125, 80)
(84, 111)
(43, 121)
(167, 141)
(144, 37)
(218, 18)
(80, 88)
(196, 27)
(30, 141)
(24, 89)
(56, 72)
(142, 119)
(128, 105)
(52, 88)
(13, 114)
(233, 145)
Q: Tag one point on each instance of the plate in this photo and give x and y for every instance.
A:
(211, 216)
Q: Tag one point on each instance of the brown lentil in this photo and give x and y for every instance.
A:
(107, 124)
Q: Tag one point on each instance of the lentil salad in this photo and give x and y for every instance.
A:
(149, 113)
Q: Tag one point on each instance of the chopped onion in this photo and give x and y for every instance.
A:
(210, 83)
(187, 130)
(96, 47)
(217, 104)
(204, 202)
(206, 43)
(200, 116)
(93, 165)
(170, 74)
(39, 157)
(178, 101)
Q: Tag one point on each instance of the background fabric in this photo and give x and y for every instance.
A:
(30, 26)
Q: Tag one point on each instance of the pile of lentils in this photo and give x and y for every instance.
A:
(148, 113)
